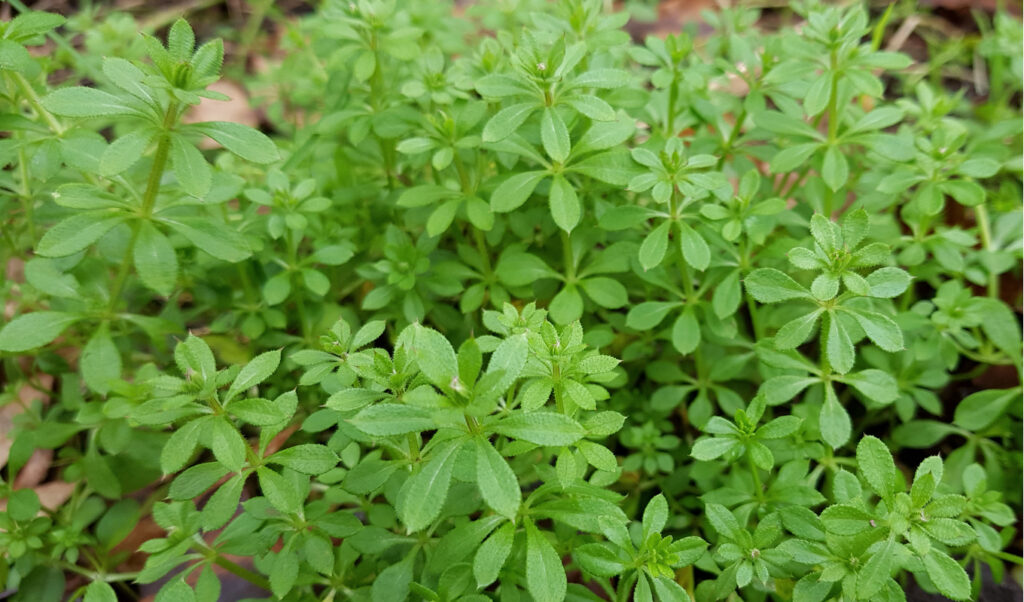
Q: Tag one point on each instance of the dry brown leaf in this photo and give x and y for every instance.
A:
(35, 469)
(237, 109)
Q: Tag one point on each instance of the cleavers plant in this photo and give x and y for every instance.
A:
(504, 303)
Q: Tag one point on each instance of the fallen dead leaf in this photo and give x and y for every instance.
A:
(35, 469)
(237, 110)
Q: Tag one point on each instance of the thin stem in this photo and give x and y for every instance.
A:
(688, 290)
(733, 135)
(156, 172)
(33, 101)
(833, 124)
(27, 202)
(758, 487)
(673, 93)
(755, 322)
(984, 229)
(240, 571)
(293, 264)
(481, 247)
(567, 257)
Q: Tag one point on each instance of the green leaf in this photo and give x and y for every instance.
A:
(599, 456)
(565, 206)
(876, 570)
(648, 314)
(241, 140)
(876, 466)
(834, 168)
(652, 250)
(947, 575)
(655, 515)
(881, 329)
(77, 232)
(783, 426)
(125, 151)
(510, 357)
(500, 86)
(424, 493)
(833, 421)
(545, 576)
(843, 519)
(694, 248)
(386, 419)
(223, 504)
(541, 428)
(176, 590)
(613, 167)
(178, 449)
(886, 283)
(554, 135)
(190, 167)
(393, 582)
(227, 444)
(606, 292)
(513, 191)
(769, 285)
(29, 331)
(686, 332)
(126, 76)
(598, 559)
(712, 448)
(793, 157)
(727, 295)
(442, 217)
(1000, 325)
(980, 409)
(100, 591)
(86, 102)
(279, 492)
(507, 121)
(309, 458)
(492, 554)
(435, 357)
(521, 269)
(255, 372)
(838, 345)
(155, 259)
(497, 482)
(723, 521)
(878, 386)
(796, 331)
(216, 239)
(44, 275)
(100, 362)
(602, 78)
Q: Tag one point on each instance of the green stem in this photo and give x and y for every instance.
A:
(293, 264)
(252, 26)
(481, 247)
(27, 202)
(567, 258)
(673, 93)
(733, 135)
(833, 123)
(156, 172)
(984, 229)
(240, 571)
(755, 321)
(33, 101)
(688, 290)
(826, 366)
(758, 487)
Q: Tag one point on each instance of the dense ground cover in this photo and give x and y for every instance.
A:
(506, 303)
